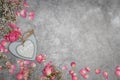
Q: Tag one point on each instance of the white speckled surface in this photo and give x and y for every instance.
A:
(85, 31)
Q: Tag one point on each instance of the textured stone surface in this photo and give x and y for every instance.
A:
(84, 31)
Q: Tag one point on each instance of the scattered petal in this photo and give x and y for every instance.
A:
(82, 71)
(23, 13)
(118, 68)
(87, 69)
(97, 71)
(17, 13)
(64, 68)
(3, 42)
(73, 64)
(85, 76)
(117, 73)
(25, 4)
(31, 15)
(105, 75)
(40, 58)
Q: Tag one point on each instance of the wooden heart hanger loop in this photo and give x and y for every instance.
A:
(27, 35)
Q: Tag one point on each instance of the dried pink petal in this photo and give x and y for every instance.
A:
(3, 42)
(64, 68)
(31, 15)
(97, 71)
(87, 69)
(85, 76)
(25, 4)
(118, 68)
(73, 64)
(17, 13)
(83, 71)
(105, 75)
(23, 13)
(117, 73)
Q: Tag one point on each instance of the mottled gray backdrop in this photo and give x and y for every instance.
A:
(84, 31)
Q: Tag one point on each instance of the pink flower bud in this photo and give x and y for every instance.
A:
(105, 75)
(97, 71)
(117, 73)
(85, 76)
(40, 58)
(118, 68)
(87, 69)
(25, 4)
(82, 71)
(73, 64)
(23, 13)
(19, 76)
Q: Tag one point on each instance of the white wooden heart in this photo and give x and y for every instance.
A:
(26, 50)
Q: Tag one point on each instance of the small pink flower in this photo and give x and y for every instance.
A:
(25, 4)
(71, 72)
(105, 75)
(48, 69)
(40, 58)
(82, 71)
(23, 13)
(97, 71)
(3, 42)
(12, 36)
(74, 78)
(73, 64)
(117, 73)
(19, 76)
(87, 69)
(85, 76)
(31, 15)
(65, 68)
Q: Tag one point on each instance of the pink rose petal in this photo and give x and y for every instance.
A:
(87, 69)
(82, 71)
(31, 15)
(117, 73)
(25, 4)
(85, 76)
(73, 64)
(17, 13)
(3, 42)
(97, 71)
(105, 75)
(118, 68)
(64, 68)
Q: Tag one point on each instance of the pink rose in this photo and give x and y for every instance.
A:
(19, 76)
(48, 69)
(12, 36)
(40, 58)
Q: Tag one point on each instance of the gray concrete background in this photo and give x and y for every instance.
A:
(84, 31)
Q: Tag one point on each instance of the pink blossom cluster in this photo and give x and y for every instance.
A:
(25, 69)
(23, 13)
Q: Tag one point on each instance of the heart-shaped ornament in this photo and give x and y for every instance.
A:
(27, 51)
